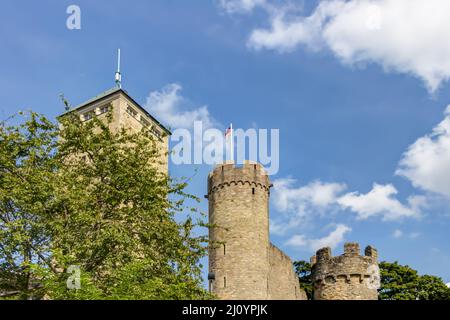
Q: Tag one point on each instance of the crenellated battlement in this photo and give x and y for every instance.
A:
(351, 250)
(346, 275)
(228, 174)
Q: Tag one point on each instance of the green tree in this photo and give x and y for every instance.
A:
(303, 270)
(398, 282)
(27, 169)
(94, 200)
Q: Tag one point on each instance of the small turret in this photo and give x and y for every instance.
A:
(346, 277)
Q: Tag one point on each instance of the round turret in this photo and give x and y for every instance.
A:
(239, 215)
(346, 277)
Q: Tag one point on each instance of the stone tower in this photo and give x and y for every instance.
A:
(126, 113)
(243, 264)
(346, 277)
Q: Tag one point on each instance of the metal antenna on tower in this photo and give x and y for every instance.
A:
(118, 76)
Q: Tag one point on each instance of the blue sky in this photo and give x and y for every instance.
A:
(349, 101)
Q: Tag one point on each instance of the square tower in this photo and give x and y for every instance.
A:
(127, 113)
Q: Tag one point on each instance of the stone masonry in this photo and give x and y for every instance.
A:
(128, 114)
(243, 264)
(346, 277)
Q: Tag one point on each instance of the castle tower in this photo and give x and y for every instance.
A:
(126, 113)
(239, 211)
(346, 277)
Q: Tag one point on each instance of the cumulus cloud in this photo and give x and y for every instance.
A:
(281, 227)
(240, 6)
(380, 201)
(426, 163)
(298, 204)
(406, 36)
(400, 234)
(172, 109)
(333, 239)
(448, 284)
(318, 197)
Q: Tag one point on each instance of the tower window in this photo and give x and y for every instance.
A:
(145, 122)
(224, 282)
(156, 132)
(131, 111)
(224, 249)
(88, 116)
(104, 109)
(253, 190)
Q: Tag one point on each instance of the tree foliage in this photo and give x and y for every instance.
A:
(80, 194)
(26, 197)
(303, 271)
(398, 282)
(404, 283)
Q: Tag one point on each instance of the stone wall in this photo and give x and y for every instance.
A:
(283, 281)
(137, 122)
(346, 277)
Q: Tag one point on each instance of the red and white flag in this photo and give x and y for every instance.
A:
(229, 133)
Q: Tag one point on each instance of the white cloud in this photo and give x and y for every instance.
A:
(289, 31)
(280, 228)
(380, 201)
(448, 284)
(398, 234)
(435, 250)
(299, 203)
(333, 239)
(240, 6)
(406, 36)
(427, 162)
(316, 195)
(168, 107)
